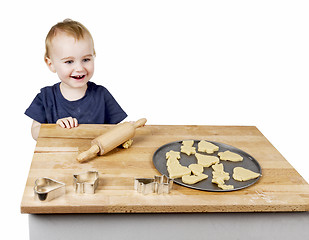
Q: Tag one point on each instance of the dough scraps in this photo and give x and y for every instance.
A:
(196, 168)
(219, 176)
(243, 174)
(174, 168)
(192, 179)
(205, 160)
(204, 146)
(230, 156)
(128, 143)
(187, 147)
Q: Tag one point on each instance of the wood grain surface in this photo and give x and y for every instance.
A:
(280, 188)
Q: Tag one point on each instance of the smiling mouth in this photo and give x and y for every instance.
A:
(78, 77)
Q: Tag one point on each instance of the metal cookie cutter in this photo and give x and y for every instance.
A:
(86, 182)
(144, 185)
(158, 184)
(46, 189)
(163, 184)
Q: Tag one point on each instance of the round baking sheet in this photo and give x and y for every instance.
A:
(159, 161)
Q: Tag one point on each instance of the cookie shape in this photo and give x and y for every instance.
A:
(196, 168)
(204, 146)
(172, 161)
(174, 168)
(188, 143)
(188, 150)
(242, 174)
(192, 179)
(172, 158)
(218, 167)
(177, 171)
(205, 160)
(230, 156)
(219, 176)
(187, 147)
(226, 187)
(172, 154)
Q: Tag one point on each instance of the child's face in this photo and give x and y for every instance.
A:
(71, 59)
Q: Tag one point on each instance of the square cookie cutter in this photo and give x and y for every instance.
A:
(158, 184)
(86, 182)
(46, 189)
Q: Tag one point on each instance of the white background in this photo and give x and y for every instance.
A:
(162, 60)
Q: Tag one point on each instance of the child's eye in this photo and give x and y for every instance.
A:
(86, 60)
(68, 62)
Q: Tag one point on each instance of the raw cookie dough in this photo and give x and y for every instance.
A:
(128, 143)
(172, 154)
(192, 179)
(230, 156)
(196, 168)
(205, 160)
(219, 176)
(188, 143)
(242, 174)
(174, 168)
(177, 171)
(187, 147)
(172, 157)
(207, 147)
(172, 161)
(226, 187)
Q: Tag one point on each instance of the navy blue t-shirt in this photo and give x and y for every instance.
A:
(98, 106)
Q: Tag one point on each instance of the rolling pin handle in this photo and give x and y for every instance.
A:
(139, 123)
(89, 154)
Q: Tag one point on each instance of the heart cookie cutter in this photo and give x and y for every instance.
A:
(158, 184)
(86, 182)
(46, 189)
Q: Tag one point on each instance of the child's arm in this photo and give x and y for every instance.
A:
(35, 129)
(68, 122)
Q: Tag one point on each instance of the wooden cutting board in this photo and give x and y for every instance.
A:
(280, 188)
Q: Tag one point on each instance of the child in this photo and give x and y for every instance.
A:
(70, 53)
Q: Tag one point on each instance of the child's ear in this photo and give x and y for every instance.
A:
(50, 64)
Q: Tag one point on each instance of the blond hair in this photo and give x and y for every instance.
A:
(70, 27)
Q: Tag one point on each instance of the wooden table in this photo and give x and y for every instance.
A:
(280, 189)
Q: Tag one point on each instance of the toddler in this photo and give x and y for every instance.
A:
(70, 53)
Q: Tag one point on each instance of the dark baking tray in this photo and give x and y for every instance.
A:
(248, 162)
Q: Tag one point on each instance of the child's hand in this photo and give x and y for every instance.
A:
(68, 122)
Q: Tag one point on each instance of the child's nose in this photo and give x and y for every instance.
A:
(79, 67)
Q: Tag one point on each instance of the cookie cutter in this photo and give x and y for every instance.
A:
(86, 182)
(163, 184)
(144, 185)
(46, 189)
(158, 184)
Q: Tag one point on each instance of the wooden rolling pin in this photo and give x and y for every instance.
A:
(119, 134)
